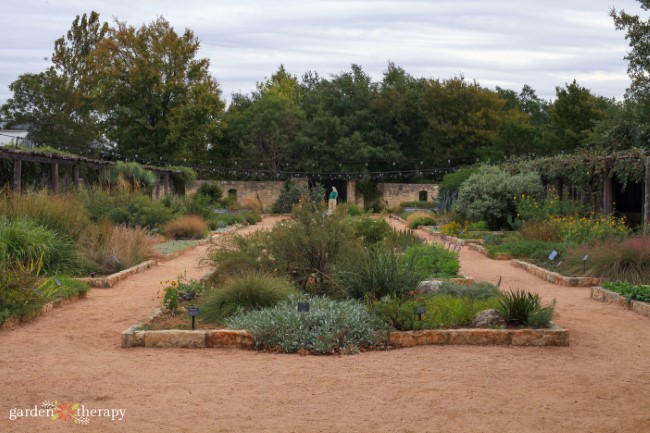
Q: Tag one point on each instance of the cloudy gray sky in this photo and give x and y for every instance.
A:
(507, 43)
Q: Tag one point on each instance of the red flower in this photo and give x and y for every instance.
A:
(411, 293)
(65, 411)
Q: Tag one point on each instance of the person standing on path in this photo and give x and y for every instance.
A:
(331, 203)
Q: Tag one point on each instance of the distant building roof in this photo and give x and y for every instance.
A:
(15, 136)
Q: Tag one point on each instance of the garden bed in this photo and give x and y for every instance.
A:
(603, 295)
(12, 322)
(554, 277)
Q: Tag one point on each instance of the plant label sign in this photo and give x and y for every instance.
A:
(553, 255)
(421, 310)
(486, 238)
(584, 259)
(303, 307)
(57, 282)
(193, 311)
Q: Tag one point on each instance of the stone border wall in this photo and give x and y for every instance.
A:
(554, 277)
(110, 280)
(603, 295)
(481, 249)
(225, 338)
(57, 303)
(553, 336)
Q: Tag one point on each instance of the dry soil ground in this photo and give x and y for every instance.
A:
(600, 383)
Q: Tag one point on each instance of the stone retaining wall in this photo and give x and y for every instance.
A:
(554, 277)
(553, 336)
(481, 249)
(110, 280)
(603, 295)
(224, 338)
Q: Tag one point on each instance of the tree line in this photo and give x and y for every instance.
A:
(144, 93)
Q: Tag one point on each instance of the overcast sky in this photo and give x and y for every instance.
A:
(506, 43)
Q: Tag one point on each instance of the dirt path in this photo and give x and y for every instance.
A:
(601, 383)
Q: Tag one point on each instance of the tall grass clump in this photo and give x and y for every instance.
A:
(106, 248)
(64, 213)
(23, 241)
(239, 294)
(330, 326)
(186, 227)
(627, 260)
(417, 219)
(124, 207)
(376, 272)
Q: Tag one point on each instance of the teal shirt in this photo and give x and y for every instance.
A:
(334, 195)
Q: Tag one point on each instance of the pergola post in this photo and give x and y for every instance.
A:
(166, 189)
(608, 197)
(75, 175)
(18, 165)
(646, 201)
(55, 177)
(157, 192)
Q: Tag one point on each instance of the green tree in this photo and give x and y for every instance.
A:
(157, 99)
(574, 114)
(638, 36)
(58, 105)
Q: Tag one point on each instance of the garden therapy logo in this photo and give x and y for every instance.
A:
(67, 412)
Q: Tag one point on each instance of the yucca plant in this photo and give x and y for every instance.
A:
(519, 307)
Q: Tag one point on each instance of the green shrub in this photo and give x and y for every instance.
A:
(252, 217)
(400, 240)
(480, 291)
(451, 182)
(442, 311)
(241, 255)
(375, 272)
(211, 190)
(23, 241)
(489, 195)
(371, 230)
(519, 307)
(122, 207)
(198, 204)
(535, 208)
(351, 209)
(435, 260)
(225, 220)
(546, 231)
(309, 245)
(536, 251)
(630, 291)
(417, 219)
(244, 293)
(479, 226)
(330, 326)
(294, 191)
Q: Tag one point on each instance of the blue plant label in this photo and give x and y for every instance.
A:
(57, 282)
(193, 311)
(303, 307)
(486, 238)
(553, 255)
(462, 232)
(421, 310)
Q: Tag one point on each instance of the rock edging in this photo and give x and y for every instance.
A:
(554, 277)
(215, 338)
(603, 295)
(552, 336)
(110, 280)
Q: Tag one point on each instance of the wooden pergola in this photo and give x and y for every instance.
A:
(56, 159)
